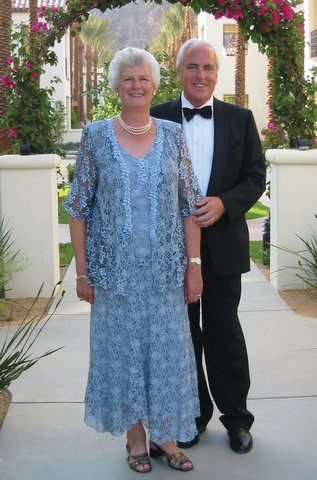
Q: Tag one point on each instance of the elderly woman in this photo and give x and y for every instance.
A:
(137, 259)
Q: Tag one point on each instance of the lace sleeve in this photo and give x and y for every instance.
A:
(84, 185)
(188, 188)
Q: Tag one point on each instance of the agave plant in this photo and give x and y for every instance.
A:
(7, 258)
(15, 351)
(307, 260)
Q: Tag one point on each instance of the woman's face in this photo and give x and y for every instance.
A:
(136, 87)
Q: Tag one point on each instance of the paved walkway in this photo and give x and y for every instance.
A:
(44, 436)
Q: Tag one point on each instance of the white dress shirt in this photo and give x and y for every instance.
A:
(199, 134)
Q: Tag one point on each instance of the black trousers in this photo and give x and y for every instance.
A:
(222, 341)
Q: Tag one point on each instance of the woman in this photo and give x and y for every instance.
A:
(130, 204)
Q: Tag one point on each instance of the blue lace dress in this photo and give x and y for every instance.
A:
(142, 364)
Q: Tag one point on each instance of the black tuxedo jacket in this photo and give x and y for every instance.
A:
(237, 177)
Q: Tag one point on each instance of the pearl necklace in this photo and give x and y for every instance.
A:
(135, 130)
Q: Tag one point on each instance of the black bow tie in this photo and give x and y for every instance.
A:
(205, 112)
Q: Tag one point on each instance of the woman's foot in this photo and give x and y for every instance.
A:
(138, 458)
(175, 458)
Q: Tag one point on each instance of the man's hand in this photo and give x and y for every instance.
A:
(209, 210)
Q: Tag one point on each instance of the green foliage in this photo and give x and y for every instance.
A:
(65, 253)
(255, 249)
(111, 104)
(70, 172)
(74, 119)
(62, 214)
(169, 87)
(32, 117)
(257, 211)
(15, 354)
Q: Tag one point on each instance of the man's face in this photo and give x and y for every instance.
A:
(198, 74)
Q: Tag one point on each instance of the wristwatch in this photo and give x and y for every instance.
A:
(196, 260)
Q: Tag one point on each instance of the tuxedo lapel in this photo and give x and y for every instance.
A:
(175, 111)
(221, 137)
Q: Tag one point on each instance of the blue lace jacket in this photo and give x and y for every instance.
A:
(100, 196)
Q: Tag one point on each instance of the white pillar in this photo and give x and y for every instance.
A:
(293, 206)
(28, 201)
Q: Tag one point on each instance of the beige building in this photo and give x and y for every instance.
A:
(310, 12)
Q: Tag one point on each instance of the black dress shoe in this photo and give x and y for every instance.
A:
(195, 440)
(240, 440)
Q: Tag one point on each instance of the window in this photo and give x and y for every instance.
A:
(229, 98)
(228, 39)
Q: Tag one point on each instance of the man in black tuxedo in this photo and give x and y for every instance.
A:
(227, 158)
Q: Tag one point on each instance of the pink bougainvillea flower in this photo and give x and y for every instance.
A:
(10, 60)
(54, 9)
(220, 2)
(315, 141)
(40, 14)
(263, 131)
(238, 14)
(263, 10)
(43, 9)
(271, 126)
(45, 27)
(13, 132)
(34, 75)
(29, 65)
(218, 14)
(275, 17)
(286, 12)
(6, 81)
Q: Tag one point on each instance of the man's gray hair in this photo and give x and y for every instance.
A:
(193, 42)
(132, 57)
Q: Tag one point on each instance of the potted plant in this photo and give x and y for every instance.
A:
(15, 350)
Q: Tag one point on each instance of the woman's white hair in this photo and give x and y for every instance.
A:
(132, 57)
(193, 42)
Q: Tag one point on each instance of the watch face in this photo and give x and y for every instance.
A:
(196, 260)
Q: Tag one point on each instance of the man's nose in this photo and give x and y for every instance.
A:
(200, 72)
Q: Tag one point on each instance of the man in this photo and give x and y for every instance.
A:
(228, 162)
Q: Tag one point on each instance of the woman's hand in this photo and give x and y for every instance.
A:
(193, 283)
(84, 291)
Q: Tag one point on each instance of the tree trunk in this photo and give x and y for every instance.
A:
(270, 115)
(88, 58)
(81, 113)
(239, 60)
(75, 87)
(95, 78)
(6, 18)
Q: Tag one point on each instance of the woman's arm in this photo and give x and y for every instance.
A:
(78, 237)
(193, 278)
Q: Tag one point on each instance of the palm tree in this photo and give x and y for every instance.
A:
(6, 18)
(95, 36)
(239, 62)
(177, 26)
(172, 25)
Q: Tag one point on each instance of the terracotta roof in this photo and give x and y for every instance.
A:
(22, 5)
